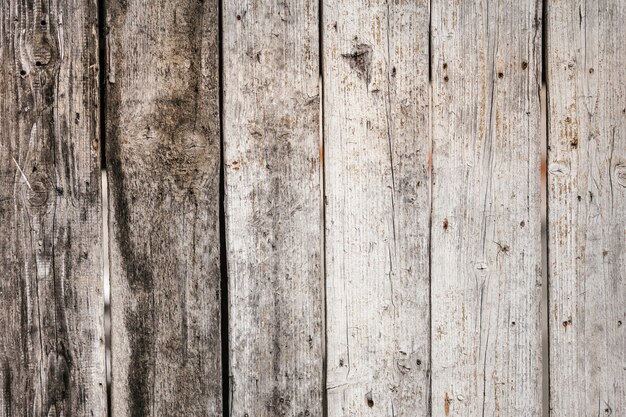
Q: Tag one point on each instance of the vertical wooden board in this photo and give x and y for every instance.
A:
(586, 62)
(51, 314)
(486, 247)
(273, 207)
(376, 142)
(163, 152)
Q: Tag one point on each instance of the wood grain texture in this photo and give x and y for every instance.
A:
(376, 142)
(51, 305)
(273, 207)
(486, 252)
(586, 59)
(163, 152)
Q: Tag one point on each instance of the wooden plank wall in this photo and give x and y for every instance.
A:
(363, 177)
(51, 294)
(586, 78)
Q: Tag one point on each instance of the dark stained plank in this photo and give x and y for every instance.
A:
(163, 152)
(273, 207)
(51, 303)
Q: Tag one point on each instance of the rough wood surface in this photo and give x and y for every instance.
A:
(586, 60)
(486, 252)
(376, 143)
(273, 207)
(51, 304)
(163, 152)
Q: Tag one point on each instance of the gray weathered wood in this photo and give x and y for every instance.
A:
(51, 305)
(273, 207)
(586, 60)
(163, 151)
(486, 251)
(377, 178)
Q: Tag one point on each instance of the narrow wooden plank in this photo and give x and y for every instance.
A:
(586, 63)
(486, 247)
(273, 207)
(377, 178)
(51, 304)
(163, 152)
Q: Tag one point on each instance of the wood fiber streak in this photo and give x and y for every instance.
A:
(377, 180)
(586, 74)
(273, 207)
(163, 152)
(486, 241)
(51, 301)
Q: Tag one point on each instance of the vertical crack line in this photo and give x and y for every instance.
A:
(324, 346)
(545, 209)
(224, 297)
(430, 202)
(102, 69)
(106, 283)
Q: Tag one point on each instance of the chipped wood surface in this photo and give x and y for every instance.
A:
(273, 207)
(51, 301)
(163, 152)
(376, 145)
(586, 207)
(486, 252)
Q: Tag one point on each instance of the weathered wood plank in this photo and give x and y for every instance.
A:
(586, 74)
(273, 207)
(486, 251)
(377, 178)
(163, 152)
(51, 305)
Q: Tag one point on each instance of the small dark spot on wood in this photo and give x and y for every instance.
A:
(44, 23)
(59, 190)
(418, 362)
(360, 60)
(22, 73)
(512, 323)
(445, 224)
(446, 78)
(340, 362)
(579, 198)
(500, 75)
(524, 65)
(590, 196)
(590, 70)
(38, 63)
(522, 223)
(369, 400)
(235, 162)
(568, 119)
(238, 17)
(605, 252)
(393, 72)
(619, 323)
(445, 65)
(574, 143)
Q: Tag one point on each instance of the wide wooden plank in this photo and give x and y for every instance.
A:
(377, 180)
(586, 75)
(163, 153)
(273, 207)
(486, 247)
(51, 305)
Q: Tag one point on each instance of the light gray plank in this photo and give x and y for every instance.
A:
(486, 251)
(163, 152)
(51, 304)
(273, 207)
(586, 59)
(376, 140)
